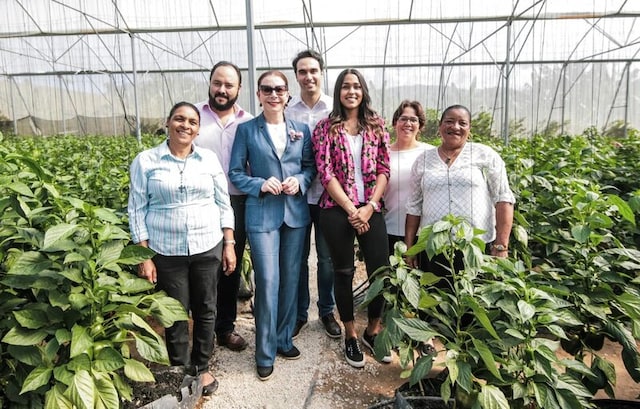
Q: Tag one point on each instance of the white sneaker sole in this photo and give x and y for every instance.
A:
(355, 364)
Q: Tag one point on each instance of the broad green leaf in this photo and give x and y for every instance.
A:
(109, 253)
(81, 341)
(581, 233)
(411, 290)
(521, 235)
(136, 371)
(487, 357)
(134, 254)
(36, 378)
(108, 360)
(491, 397)
(29, 355)
(56, 234)
(623, 208)
(106, 394)
(107, 215)
(527, 311)
(32, 319)
(168, 310)
(20, 188)
(421, 369)
(124, 389)
(151, 348)
(82, 390)
(26, 337)
(55, 399)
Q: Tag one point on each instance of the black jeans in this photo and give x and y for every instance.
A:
(340, 235)
(228, 286)
(192, 280)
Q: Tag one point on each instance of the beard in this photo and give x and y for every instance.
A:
(222, 107)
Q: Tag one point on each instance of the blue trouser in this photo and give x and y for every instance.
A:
(276, 262)
(326, 301)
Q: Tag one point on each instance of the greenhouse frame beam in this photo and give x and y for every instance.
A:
(333, 67)
(317, 24)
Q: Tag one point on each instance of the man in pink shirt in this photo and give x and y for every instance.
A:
(220, 117)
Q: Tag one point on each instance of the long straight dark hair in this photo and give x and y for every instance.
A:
(368, 119)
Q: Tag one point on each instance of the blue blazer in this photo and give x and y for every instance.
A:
(253, 150)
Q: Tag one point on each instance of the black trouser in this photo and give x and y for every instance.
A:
(229, 285)
(339, 235)
(192, 281)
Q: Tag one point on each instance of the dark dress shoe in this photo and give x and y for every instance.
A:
(209, 389)
(291, 354)
(233, 341)
(331, 326)
(265, 372)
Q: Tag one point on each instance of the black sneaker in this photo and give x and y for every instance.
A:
(352, 353)
(291, 354)
(331, 326)
(265, 372)
(300, 325)
(370, 341)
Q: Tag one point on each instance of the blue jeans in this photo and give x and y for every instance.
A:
(276, 262)
(326, 300)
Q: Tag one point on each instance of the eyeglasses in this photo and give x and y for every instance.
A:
(267, 90)
(412, 119)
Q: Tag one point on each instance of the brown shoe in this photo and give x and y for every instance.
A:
(233, 341)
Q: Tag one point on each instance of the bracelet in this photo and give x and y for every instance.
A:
(500, 247)
(230, 242)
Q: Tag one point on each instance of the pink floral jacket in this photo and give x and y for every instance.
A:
(334, 159)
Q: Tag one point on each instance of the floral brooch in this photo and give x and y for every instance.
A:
(294, 135)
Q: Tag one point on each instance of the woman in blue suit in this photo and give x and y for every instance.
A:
(279, 155)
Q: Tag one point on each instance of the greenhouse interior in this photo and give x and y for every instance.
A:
(82, 67)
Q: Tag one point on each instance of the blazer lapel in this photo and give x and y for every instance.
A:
(264, 132)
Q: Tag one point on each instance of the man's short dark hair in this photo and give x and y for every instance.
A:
(308, 54)
(226, 64)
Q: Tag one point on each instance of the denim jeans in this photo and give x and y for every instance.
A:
(340, 236)
(192, 280)
(326, 301)
(276, 261)
(228, 286)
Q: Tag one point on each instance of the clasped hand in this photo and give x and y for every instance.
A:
(360, 219)
(289, 186)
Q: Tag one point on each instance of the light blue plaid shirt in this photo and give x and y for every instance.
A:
(178, 214)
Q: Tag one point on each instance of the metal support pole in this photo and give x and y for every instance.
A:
(64, 121)
(564, 96)
(13, 106)
(507, 71)
(252, 64)
(135, 87)
(626, 100)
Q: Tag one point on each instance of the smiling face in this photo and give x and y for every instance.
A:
(454, 128)
(408, 125)
(223, 88)
(183, 126)
(309, 76)
(351, 92)
(273, 94)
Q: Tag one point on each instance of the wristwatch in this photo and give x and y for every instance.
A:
(500, 247)
(375, 205)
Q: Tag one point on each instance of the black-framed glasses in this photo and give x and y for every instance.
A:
(412, 119)
(267, 90)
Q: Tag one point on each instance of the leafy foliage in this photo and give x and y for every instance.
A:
(70, 309)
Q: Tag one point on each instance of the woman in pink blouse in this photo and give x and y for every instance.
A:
(352, 156)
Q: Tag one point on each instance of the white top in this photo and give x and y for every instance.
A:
(219, 138)
(355, 143)
(278, 134)
(471, 187)
(398, 187)
(299, 111)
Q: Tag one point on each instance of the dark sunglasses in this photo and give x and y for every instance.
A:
(267, 90)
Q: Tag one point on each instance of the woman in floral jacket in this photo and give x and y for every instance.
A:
(352, 156)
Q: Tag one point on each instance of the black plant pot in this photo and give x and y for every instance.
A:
(412, 397)
(616, 404)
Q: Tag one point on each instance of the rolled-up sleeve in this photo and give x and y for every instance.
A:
(498, 181)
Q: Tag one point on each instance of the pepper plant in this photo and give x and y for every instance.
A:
(74, 320)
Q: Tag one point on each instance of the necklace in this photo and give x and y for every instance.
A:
(182, 189)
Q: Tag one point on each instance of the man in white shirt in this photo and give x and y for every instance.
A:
(220, 116)
(309, 107)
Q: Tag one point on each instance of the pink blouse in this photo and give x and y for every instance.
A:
(334, 159)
